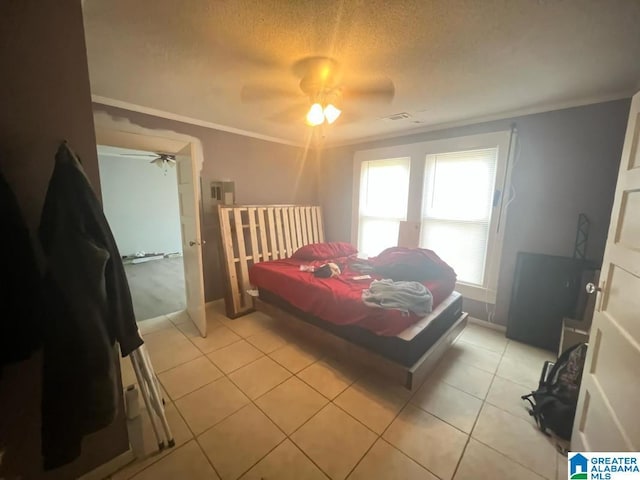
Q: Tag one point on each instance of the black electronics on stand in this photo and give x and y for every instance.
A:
(548, 289)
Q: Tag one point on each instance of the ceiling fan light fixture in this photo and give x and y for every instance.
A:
(315, 115)
(331, 113)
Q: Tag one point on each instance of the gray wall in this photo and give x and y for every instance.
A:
(140, 201)
(568, 164)
(45, 98)
(263, 172)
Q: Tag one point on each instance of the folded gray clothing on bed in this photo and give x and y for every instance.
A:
(404, 296)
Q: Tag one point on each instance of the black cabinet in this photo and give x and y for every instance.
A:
(546, 289)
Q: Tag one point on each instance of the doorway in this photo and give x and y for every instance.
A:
(183, 209)
(140, 201)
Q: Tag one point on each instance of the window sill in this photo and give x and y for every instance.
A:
(479, 294)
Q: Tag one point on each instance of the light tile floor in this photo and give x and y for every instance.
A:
(251, 401)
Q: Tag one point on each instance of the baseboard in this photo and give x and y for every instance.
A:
(109, 468)
(217, 301)
(485, 324)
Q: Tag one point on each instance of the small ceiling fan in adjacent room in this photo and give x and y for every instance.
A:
(161, 160)
(326, 91)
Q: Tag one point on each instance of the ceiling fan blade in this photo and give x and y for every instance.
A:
(348, 117)
(381, 89)
(294, 114)
(259, 93)
(318, 67)
(260, 60)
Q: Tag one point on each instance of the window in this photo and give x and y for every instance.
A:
(452, 188)
(384, 191)
(458, 196)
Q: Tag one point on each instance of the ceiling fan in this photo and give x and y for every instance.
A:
(325, 91)
(161, 160)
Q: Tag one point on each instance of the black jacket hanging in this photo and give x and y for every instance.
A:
(88, 309)
(20, 284)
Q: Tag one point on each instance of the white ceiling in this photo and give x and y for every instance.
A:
(451, 60)
(109, 151)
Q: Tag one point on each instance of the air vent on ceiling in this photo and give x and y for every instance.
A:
(398, 116)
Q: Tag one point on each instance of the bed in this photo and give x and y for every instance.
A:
(330, 311)
(405, 348)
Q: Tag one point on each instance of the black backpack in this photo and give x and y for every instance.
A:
(553, 404)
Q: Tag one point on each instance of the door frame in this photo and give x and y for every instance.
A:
(119, 132)
(601, 413)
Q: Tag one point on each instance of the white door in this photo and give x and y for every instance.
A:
(607, 417)
(188, 193)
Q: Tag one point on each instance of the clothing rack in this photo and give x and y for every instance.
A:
(153, 401)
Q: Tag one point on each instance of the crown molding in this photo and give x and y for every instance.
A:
(628, 93)
(111, 102)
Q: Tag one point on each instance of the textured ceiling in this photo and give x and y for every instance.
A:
(450, 60)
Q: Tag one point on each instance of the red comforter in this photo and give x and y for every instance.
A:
(338, 300)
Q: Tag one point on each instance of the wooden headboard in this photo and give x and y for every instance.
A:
(255, 233)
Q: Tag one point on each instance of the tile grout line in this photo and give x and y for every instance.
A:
(267, 391)
(409, 401)
(224, 375)
(174, 400)
(414, 461)
(329, 401)
(404, 406)
(476, 421)
(206, 354)
(193, 437)
(240, 367)
(251, 401)
(222, 419)
(362, 457)
(379, 436)
(261, 458)
(157, 372)
(177, 447)
(298, 446)
(129, 477)
(484, 402)
(511, 459)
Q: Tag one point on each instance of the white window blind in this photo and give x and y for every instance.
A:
(384, 191)
(458, 198)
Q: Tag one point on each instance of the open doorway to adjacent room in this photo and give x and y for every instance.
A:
(150, 186)
(140, 200)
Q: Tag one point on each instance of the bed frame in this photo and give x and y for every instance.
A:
(256, 233)
(410, 377)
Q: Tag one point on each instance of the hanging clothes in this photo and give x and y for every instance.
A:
(20, 284)
(89, 308)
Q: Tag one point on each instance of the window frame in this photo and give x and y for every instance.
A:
(418, 153)
(389, 161)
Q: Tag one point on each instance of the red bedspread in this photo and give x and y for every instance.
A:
(338, 300)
